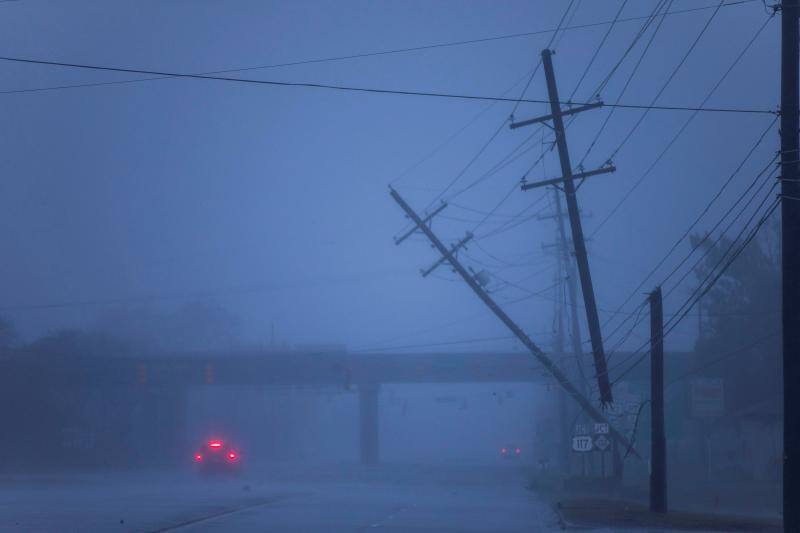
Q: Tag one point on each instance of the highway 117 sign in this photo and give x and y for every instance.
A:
(582, 443)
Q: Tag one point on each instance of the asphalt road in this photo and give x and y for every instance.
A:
(293, 499)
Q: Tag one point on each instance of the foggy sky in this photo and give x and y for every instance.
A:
(274, 201)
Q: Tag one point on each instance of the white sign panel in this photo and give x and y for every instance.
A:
(581, 429)
(601, 428)
(582, 443)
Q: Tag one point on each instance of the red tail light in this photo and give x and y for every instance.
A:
(215, 444)
(232, 456)
(517, 451)
(198, 457)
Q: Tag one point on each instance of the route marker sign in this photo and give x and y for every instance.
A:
(582, 443)
(601, 442)
(601, 428)
(581, 429)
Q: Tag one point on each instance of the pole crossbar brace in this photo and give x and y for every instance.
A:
(578, 176)
(562, 113)
(537, 352)
(427, 219)
(453, 249)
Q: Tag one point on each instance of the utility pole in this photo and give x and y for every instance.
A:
(568, 270)
(572, 290)
(658, 442)
(566, 273)
(567, 182)
(584, 402)
(564, 430)
(790, 254)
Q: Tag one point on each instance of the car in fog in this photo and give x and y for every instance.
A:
(510, 452)
(217, 456)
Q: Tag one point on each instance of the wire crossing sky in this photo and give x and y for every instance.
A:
(265, 193)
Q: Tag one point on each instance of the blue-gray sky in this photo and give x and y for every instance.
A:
(274, 202)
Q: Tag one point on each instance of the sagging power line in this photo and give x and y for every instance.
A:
(354, 89)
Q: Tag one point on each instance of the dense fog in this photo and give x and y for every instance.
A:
(336, 266)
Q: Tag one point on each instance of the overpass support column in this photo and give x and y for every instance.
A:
(368, 408)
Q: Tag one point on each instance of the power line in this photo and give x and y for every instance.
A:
(598, 90)
(479, 211)
(701, 289)
(627, 334)
(669, 79)
(511, 224)
(730, 225)
(539, 63)
(511, 157)
(452, 137)
(719, 238)
(631, 75)
(347, 88)
(664, 151)
(598, 49)
(682, 128)
(469, 164)
(496, 207)
(376, 53)
(699, 217)
(649, 20)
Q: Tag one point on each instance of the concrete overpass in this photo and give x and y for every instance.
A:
(159, 382)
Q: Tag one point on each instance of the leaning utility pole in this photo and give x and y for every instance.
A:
(658, 440)
(567, 181)
(572, 290)
(564, 431)
(566, 275)
(583, 401)
(790, 253)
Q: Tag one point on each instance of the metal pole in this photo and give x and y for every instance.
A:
(790, 253)
(658, 443)
(577, 232)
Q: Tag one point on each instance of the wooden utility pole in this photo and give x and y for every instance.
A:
(658, 441)
(572, 291)
(564, 431)
(537, 352)
(567, 182)
(566, 275)
(790, 254)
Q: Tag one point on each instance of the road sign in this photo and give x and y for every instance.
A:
(601, 428)
(581, 429)
(602, 443)
(582, 443)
